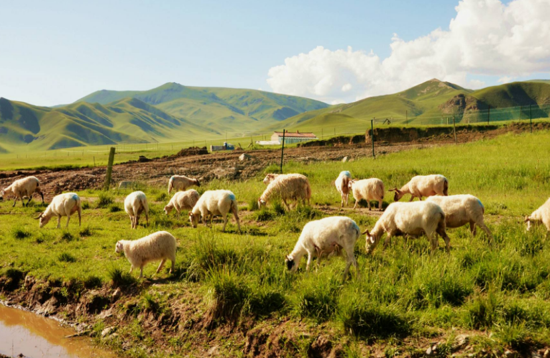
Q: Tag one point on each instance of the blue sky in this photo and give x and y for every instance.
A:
(57, 52)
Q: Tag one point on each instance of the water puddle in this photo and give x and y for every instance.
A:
(34, 336)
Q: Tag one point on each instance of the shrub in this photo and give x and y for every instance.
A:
(253, 204)
(92, 282)
(85, 232)
(20, 233)
(114, 208)
(120, 278)
(67, 236)
(85, 205)
(482, 311)
(66, 257)
(228, 294)
(264, 301)
(104, 199)
(318, 299)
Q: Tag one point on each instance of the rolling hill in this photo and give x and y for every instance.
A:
(430, 102)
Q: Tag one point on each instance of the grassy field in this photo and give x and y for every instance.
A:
(498, 289)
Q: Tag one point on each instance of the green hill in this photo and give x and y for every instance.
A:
(429, 102)
(236, 111)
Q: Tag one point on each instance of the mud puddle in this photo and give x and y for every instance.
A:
(33, 336)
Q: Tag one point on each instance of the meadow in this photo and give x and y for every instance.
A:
(496, 291)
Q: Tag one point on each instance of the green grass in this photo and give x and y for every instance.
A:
(404, 291)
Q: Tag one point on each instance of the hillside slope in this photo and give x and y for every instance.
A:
(125, 121)
(237, 111)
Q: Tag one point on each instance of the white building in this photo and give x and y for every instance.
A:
(293, 137)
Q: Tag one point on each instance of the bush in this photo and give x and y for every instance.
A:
(104, 199)
(120, 279)
(85, 205)
(85, 232)
(92, 282)
(253, 204)
(318, 300)
(66, 257)
(114, 208)
(264, 301)
(229, 294)
(20, 233)
(482, 311)
(67, 236)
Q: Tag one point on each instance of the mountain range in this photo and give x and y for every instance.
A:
(173, 112)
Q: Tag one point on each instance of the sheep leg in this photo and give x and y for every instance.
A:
(380, 204)
(58, 221)
(79, 217)
(136, 218)
(473, 228)
(286, 204)
(131, 222)
(356, 201)
(412, 197)
(238, 223)
(487, 231)
(30, 198)
(161, 264)
(147, 219)
(224, 222)
(173, 268)
(141, 272)
(308, 260)
(68, 218)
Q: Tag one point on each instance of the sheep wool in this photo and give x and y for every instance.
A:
(213, 203)
(368, 189)
(461, 210)
(325, 236)
(135, 204)
(287, 187)
(423, 185)
(541, 215)
(182, 200)
(342, 185)
(62, 205)
(411, 219)
(160, 245)
(21, 188)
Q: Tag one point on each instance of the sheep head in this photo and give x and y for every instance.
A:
(167, 209)
(398, 194)
(119, 247)
(193, 219)
(528, 221)
(261, 203)
(370, 242)
(43, 219)
(269, 178)
(290, 264)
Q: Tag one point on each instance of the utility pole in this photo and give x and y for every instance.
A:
(282, 151)
(454, 128)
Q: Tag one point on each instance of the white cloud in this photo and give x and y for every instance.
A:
(486, 37)
(505, 79)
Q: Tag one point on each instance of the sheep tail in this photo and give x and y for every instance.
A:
(345, 185)
(170, 185)
(446, 187)
(145, 205)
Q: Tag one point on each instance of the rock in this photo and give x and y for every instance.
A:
(546, 354)
(126, 184)
(107, 331)
(212, 350)
(345, 159)
(535, 354)
(116, 295)
(460, 342)
(244, 157)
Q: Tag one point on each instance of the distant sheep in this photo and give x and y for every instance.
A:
(21, 188)
(368, 189)
(160, 245)
(411, 219)
(182, 200)
(213, 203)
(62, 205)
(460, 210)
(423, 185)
(541, 215)
(181, 182)
(287, 187)
(135, 204)
(342, 185)
(325, 236)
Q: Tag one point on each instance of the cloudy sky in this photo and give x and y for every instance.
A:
(335, 51)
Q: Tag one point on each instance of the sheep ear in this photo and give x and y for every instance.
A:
(39, 216)
(527, 219)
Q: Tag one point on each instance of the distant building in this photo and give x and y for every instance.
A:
(293, 137)
(225, 146)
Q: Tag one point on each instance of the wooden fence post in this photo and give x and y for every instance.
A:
(109, 169)
(282, 151)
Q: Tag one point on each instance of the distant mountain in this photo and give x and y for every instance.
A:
(428, 102)
(236, 111)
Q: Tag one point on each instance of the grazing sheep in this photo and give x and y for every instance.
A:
(21, 188)
(413, 219)
(423, 185)
(342, 185)
(460, 210)
(182, 200)
(270, 177)
(542, 214)
(135, 204)
(368, 189)
(62, 205)
(325, 236)
(160, 245)
(287, 187)
(181, 182)
(215, 202)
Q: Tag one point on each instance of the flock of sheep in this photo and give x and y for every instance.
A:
(325, 236)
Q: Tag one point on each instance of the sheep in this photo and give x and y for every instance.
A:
(270, 177)
(423, 185)
(542, 214)
(62, 205)
(460, 210)
(21, 188)
(160, 245)
(368, 189)
(325, 236)
(215, 202)
(181, 182)
(182, 200)
(288, 186)
(342, 185)
(413, 219)
(135, 204)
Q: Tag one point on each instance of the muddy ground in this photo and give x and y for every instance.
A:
(228, 166)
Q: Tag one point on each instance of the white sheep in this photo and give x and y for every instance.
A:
(62, 205)
(182, 200)
(135, 204)
(542, 214)
(287, 187)
(325, 236)
(409, 219)
(270, 177)
(368, 189)
(423, 185)
(213, 203)
(21, 188)
(160, 245)
(342, 185)
(181, 182)
(460, 210)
